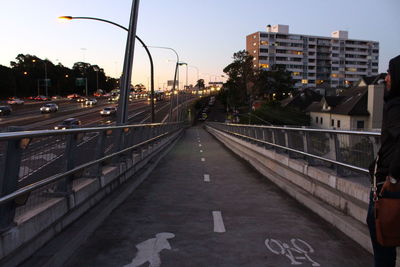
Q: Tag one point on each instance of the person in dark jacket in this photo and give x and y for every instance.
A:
(388, 165)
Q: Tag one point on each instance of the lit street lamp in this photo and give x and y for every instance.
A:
(128, 61)
(183, 63)
(143, 44)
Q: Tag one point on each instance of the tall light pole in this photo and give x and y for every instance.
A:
(197, 69)
(176, 72)
(183, 63)
(144, 46)
(45, 76)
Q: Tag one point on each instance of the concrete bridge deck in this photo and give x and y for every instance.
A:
(203, 206)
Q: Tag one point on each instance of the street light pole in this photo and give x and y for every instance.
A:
(45, 77)
(175, 75)
(144, 46)
(122, 115)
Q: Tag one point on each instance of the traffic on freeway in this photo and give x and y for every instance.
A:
(90, 111)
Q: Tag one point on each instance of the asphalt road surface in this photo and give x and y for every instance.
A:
(203, 206)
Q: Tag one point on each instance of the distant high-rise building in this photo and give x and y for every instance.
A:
(314, 60)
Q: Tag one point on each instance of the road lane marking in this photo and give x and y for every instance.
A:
(206, 178)
(199, 145)
(149, 250)
(201, 151)
(297, 254)
(203, 159)
(219, 226)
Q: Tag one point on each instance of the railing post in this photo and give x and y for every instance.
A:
(64, 187)
(96, 170)
(335, 152)
(9, 174)
(273, 139)
(289, 143)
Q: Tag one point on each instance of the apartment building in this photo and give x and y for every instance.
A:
(336, 61)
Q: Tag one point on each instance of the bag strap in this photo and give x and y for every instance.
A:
(374, 186)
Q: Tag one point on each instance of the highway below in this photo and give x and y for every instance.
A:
(45, 156)
(29, 117)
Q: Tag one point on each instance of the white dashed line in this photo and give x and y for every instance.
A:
(201, 151)
(199, 145)
(206, 178)
(203, 159)
(218, 222)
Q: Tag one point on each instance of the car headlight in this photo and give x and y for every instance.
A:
(47, 109)
(55, 127)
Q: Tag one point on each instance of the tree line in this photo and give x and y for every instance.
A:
(246, 83)
(26, 77)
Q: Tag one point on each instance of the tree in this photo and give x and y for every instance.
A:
(200, 84)
(240, 78)
(27, 73)
(139, 88)
(8, 86)
(273, 84)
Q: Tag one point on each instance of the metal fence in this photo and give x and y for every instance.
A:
(40, 164)
(347, 151)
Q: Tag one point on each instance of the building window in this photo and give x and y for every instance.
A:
(332, 123)
(316, 119)
(321, 120)
(338, 123)
(360, 124)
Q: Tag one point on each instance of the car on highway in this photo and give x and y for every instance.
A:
(108, 111)
(5, 110)
(113, 98)
(69, 123)
(81, 99)
(91, 101)
(56, 97)
(41, 98)
(48, 108)
(15, 101)
(73, 96)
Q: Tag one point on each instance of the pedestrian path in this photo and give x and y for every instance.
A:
(203, 206)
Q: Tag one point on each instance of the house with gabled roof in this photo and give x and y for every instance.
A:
(357, 108)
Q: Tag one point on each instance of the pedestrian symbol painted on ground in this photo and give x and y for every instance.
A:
(149, 250)
(296, 254)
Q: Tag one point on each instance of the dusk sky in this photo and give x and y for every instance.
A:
(205, 33)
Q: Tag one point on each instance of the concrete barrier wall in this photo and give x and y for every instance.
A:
(336, 199)
(52, 217)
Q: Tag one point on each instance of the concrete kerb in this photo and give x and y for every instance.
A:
(310, 186)
(33, 231)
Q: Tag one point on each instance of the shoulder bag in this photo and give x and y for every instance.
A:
(387, 213)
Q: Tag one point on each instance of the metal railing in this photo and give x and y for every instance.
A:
(37, 165)
(347, 151)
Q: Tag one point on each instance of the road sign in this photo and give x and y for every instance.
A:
(80, 81)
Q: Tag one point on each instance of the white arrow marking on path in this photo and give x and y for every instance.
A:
(149, 250)
(206, 178)
(218, 222)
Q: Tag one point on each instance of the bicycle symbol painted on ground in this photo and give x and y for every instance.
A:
(297, 254)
